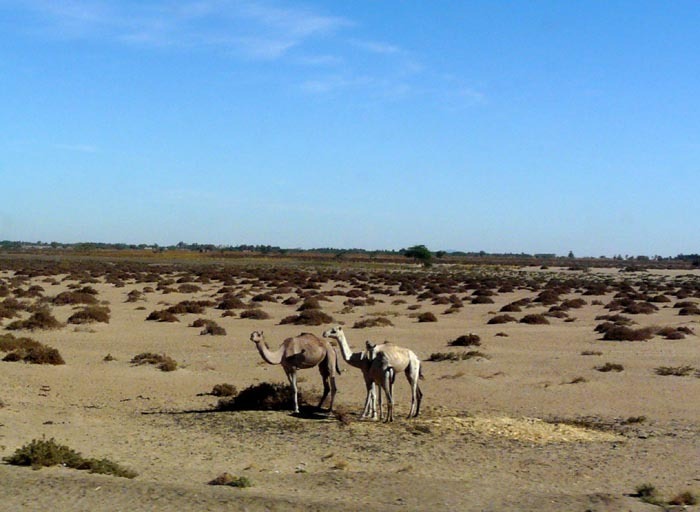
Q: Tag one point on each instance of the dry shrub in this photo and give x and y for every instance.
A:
(690, 310)
(41, 319)
(482, 299)
(29, 351)
(456, 356)
(676, 371)
(160, 361)
(309, 303)
(224, 390)
(134, 296)
(466, 340)
(90, 314)
(685, 498)
(231, 302)
(255, 314)
(231, 481)
(573, 304)
(264, 297)
(618, 319)
(511, 308)
(640, 308)
(261, 397)
(610, 367)
(502, 319)
(196, 307)
(162, 316)
(623, 333)
(42, 453)
(308, 317)
(214, 329)
(189, 288)
(671, 333)
(378, 321)
(75, 297)
(534, 319)
(427, 317)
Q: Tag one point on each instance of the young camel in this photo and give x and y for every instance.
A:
(387, 359)
(301, 352)
(397, 359)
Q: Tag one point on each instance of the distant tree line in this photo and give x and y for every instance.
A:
(419, 253)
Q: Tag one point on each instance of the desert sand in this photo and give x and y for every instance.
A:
(529, 423)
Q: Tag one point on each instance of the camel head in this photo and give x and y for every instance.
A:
(333, 332)
(370, 350)
(256, 337)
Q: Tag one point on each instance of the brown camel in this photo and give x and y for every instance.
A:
(301, 352)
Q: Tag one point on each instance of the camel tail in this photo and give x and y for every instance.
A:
(420, 373)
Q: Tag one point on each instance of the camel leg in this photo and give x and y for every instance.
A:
(292, 376)
(419, 399)
(412, 376)
(326, 386)
(388, 390)
(334, 389)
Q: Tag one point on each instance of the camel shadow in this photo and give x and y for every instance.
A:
(306, 412)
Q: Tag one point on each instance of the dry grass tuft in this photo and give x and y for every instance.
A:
(160, 361)
(308, 317)
(378, 321)
(231, 481)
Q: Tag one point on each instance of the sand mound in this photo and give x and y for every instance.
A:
(531, 430)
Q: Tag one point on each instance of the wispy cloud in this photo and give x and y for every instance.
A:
(377, 47)
(253, 28)
(78, 148)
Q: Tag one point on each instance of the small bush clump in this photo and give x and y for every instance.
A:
(90, 314)
(41, 319)
(456, 356)
(427, 317)
(610, 367)
(231, 481)
(501, 319)
(534, 319)
(162, 316)
(676, 371)
(44, 453)
(622, 333)
(255, 314)
(377, 321)
(466, 340)
(261, 397)
(160, 361)
(224, 390)
(29, 351)
(308, 317)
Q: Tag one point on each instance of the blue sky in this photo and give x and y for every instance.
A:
(462, 125)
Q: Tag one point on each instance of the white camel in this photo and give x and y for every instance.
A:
(358, 360)
(301, 352)
(387, 359)
(394, 359)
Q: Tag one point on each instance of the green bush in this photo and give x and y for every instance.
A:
(44, 453)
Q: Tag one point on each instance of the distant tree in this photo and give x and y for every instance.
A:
(571, 254)
(440, 254)
(420, 253)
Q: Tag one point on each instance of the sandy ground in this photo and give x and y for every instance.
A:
(495, 433)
